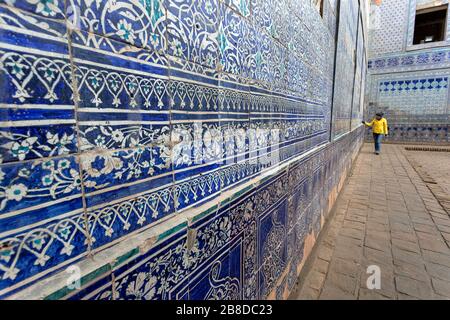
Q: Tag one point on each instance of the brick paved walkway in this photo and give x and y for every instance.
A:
(388, 216)
(436, 164)
(434, 169)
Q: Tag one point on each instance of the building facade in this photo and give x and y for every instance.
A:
(409, 60)
(172, 149)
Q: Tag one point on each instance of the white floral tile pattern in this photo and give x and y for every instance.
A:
(122, 116)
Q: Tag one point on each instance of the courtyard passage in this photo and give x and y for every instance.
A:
(392, 213)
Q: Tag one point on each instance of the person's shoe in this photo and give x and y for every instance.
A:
(377, 152)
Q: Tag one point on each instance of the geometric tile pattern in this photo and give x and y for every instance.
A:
(416, 105)
(389, 35)
(416, 133)
(395, 15)
(116, 116)
(408, 82)
(393, 87)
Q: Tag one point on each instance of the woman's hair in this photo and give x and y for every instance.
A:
(380, 114)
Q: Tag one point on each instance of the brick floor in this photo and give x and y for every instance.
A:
(390, 214)
(438, 169)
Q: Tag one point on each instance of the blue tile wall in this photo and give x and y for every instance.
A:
(409, 83)
(415, 104)
(248, 249)
(118, 116)
(349, 52)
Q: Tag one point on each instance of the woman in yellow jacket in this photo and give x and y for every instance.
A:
(379, 129)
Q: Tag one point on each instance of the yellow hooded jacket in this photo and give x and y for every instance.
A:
(378, 126)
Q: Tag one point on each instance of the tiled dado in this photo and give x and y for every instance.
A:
(117, 118)
(416, 133)
(414, 103)
(42, 222)
(409, 84)
(250, 245)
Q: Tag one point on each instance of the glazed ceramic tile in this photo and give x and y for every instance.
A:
(220, 280)
(414, 102)
(233, 43)
(138, 23)
(272, 251)
(36, 105)
(42, 217)
(99, 290)
(159, 274)
(49, 9)
(192, 31)
(344, 86)
(238, 251)
(241, 6)
(118, 118)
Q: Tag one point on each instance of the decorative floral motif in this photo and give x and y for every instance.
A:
(24, 70)
(39, 246)
(222, 288)
(50, 179)
(104, 169)
(150, 97)
(157, 276)
(136, 22)
(273, 255)
(31, 143)
(411, 61)
(120, 137)
(143, 288)
(209, 240)
(46, 8)
(190, 31)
